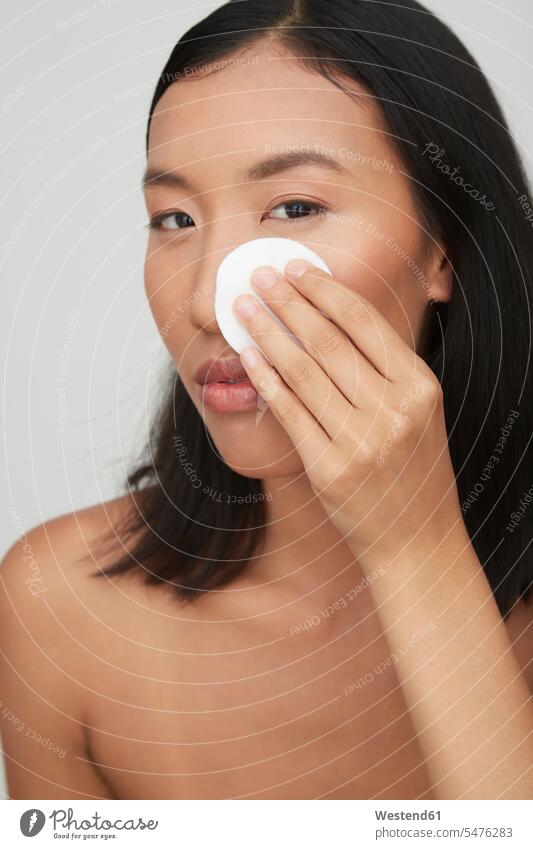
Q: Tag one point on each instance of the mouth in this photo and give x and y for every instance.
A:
(224, 386)
(229, 370)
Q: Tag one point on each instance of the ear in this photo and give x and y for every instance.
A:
(439, 274)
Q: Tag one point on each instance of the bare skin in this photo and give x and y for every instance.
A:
(223, 699)
(234, 696)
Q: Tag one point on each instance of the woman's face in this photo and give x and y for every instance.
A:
(359, 217)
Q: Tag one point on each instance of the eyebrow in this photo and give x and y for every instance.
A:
(260, 171)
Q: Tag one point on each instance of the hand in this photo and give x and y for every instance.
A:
(364, 412)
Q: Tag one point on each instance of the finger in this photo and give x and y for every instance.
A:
(306, 434)
(365, 325)
(323, 340)
(299, 371)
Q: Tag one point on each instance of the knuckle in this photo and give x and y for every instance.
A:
(402, 429)
(327, 341)
(356, 311)
(364, 454)
(425, 384)
(427, 390)
(299, 372)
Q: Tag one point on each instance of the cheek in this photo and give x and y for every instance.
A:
(385, 268)
(163, 300)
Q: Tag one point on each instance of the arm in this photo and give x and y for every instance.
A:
(469, 701)
(41, 703)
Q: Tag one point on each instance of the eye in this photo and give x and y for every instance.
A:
(298, 208)
(170, 221)
(295, 208)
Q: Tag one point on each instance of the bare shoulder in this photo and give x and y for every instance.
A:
(56, 558)
(48, 594)
(519, 625)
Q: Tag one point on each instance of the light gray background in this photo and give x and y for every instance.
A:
(79, 378)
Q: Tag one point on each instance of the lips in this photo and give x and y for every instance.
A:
(220, 371)
(224, 386)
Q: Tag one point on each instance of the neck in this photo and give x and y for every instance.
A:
(302, 547)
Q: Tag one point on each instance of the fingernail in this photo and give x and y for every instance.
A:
(264, 277)
(297, 267)
(245, 305)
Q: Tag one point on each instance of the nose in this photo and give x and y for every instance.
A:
(202, 298)
(214, 247)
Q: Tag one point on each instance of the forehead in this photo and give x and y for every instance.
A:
(258, 99)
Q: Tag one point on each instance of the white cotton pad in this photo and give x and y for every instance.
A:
(233, 279)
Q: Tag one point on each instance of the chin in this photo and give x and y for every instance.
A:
(254, 451)
(282, 468)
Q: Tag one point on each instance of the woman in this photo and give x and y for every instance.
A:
(317, 583)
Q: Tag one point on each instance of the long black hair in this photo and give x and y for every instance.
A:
(470, 187)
